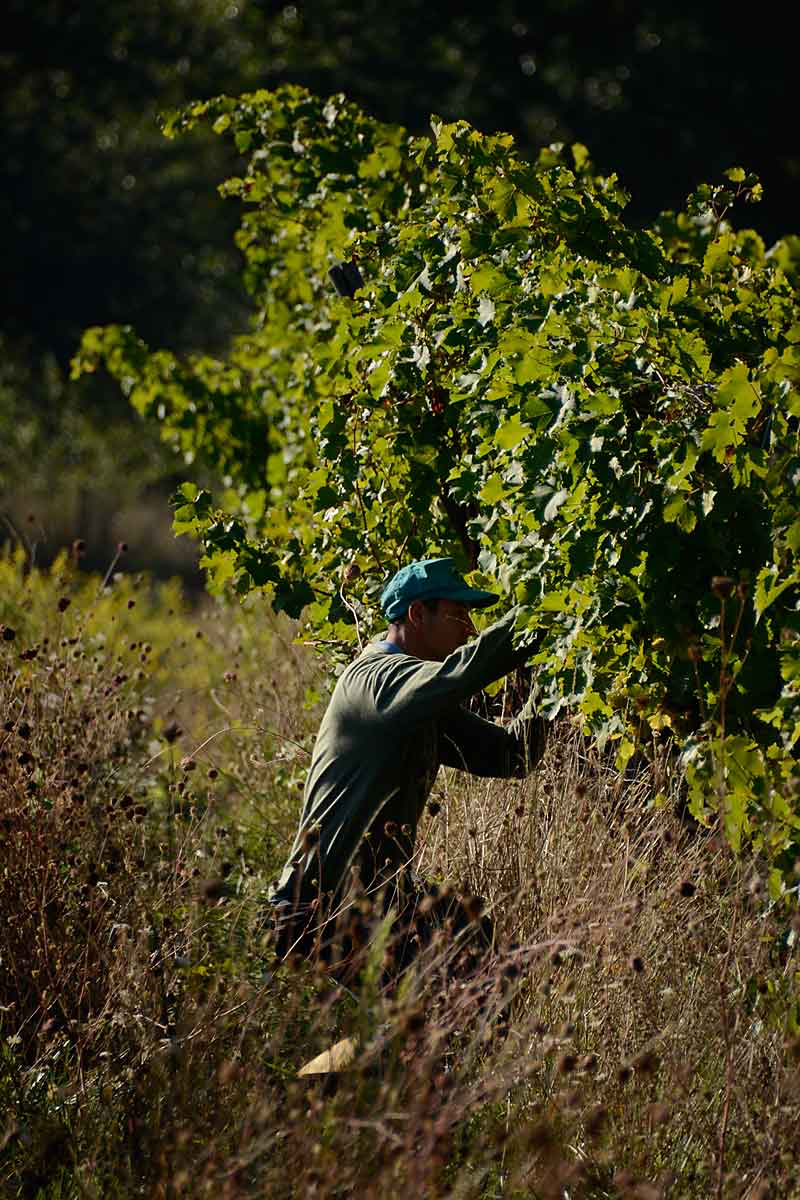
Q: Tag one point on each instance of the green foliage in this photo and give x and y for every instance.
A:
(597, 418)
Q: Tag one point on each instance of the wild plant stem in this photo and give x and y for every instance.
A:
(725, 1017)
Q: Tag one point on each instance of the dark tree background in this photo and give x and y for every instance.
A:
(666, 94)
(101, 219)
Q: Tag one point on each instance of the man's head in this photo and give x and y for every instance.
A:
(428, 606)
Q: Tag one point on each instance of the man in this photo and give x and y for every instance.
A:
(396, 714)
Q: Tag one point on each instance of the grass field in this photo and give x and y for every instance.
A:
(151, 768)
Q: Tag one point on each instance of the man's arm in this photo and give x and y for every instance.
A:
(415, 689)
(469, 743)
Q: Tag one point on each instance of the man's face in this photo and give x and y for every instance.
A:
(443, 631)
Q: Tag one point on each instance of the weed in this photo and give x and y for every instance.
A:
(633, 1033)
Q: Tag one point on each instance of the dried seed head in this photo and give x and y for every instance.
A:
(414, 1021)
(213, 889)
(596, 1120)
(8, 634)
(722, 586)
(310, 839)
(188, 764)
(473, 907)
(64, 604)
(648, 1191)
(687, 888)
(647, 1062)
(658, 1113)
(391, 829)
(539, 1136)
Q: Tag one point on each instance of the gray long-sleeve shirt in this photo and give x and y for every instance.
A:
(392, 720)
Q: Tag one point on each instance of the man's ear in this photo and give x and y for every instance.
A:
(415, 613)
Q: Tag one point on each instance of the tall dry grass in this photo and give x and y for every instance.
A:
(633, 1035)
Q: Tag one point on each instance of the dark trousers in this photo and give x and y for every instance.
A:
(339, 937)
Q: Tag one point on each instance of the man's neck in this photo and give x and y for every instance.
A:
(403, 638)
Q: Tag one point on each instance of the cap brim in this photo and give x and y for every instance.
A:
(473, 597)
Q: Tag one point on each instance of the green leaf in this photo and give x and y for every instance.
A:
(511, 433)
(738, 394)
(679, 477)
(769, 587)
(488, 279)
(677, 511)
(493, 490)
(536, 407)
(535, 365)
(793, 536)
(717, 256)
(719, 435)
(580, 155)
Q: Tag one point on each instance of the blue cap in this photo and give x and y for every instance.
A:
(429, 579)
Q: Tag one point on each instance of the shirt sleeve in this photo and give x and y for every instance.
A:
(470, 743)
(417, 690)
